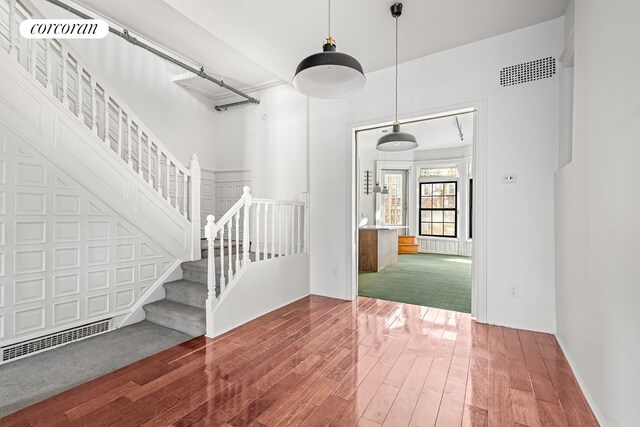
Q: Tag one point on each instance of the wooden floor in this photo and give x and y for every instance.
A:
(321, 362)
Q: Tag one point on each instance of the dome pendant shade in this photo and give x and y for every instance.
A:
(329, 74)
(396, 141)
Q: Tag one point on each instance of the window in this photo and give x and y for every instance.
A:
(448, 171)
(438, 209)
(393, 202)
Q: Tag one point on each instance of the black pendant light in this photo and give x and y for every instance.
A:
(329, 74)
(396, 140)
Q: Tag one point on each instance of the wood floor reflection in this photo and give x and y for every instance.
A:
(321, 362)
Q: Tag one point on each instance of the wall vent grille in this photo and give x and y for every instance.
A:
(39, 344)
(528, 72)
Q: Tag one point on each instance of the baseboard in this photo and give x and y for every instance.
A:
(596, 413)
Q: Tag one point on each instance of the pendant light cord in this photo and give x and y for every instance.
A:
(329, 1)
(396, 69)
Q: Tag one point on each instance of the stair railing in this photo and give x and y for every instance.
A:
(57, 69)
(270, 229)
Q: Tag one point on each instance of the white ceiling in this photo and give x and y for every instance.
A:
(256, 43)
(431, 134)
(277, 35)
(158, 22)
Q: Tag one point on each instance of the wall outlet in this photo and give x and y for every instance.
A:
(513, 291)
(510, 178)
(334, 272)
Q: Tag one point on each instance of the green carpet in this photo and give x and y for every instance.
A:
(440, 281)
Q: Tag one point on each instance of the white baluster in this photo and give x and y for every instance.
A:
(158, 179)
(292, 250)
(177, 178)
(210, 233)
(185, 195)
(238, 241)
(47, 67)
(299, 209)
(168, 179)
(12, 25)
(65, 82)
(94, 106)
(246, 242)
(119, 135)
(279, 230)
(286, 229)
(222, 281)
(258, 231)
(273, 230)
(194, 201)
(128, 133)
(229, 225)
(266, 237)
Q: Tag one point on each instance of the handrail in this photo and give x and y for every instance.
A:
(55, 66)
(280, 230)
(281, 202)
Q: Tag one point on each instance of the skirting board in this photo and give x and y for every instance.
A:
(581, 383)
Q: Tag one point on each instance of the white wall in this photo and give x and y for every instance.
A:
(598, 211)
(269, 139)
(522, 137)
(143, 81)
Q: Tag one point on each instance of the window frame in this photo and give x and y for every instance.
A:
(443, 210)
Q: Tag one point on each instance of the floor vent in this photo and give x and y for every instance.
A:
(528, 72)
(39, 344)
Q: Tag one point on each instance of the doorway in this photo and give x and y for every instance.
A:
(427, 199)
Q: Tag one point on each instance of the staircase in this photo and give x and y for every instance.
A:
(183, 308)
(407, 245)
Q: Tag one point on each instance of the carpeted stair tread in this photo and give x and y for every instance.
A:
(187, 292)
(174, 315)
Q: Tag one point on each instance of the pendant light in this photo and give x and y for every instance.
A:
(396, 140)
(329, 74)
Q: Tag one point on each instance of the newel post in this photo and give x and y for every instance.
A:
(210, 232)
(194, 199)
(246, 239)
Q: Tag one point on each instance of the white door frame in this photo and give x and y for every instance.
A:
(479, 251)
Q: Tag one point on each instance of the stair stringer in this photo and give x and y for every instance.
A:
(261, 287)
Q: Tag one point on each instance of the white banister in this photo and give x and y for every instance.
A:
(210, 233)
(194, 210)
(286, 216)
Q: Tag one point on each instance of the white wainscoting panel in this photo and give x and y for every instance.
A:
(72, 259)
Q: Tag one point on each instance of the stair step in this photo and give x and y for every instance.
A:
(410, 240)
(405, 248)
(187, 292)
(174, 315)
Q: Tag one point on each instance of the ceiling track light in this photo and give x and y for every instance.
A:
(329, 74)
(396, 140)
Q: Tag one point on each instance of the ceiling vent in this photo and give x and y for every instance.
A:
(26, 348)
(528, 72)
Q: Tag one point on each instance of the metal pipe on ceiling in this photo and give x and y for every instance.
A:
(199, 72)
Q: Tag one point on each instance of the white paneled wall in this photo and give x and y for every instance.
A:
(65, 257)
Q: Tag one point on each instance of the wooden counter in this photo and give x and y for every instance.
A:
(377, 248)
